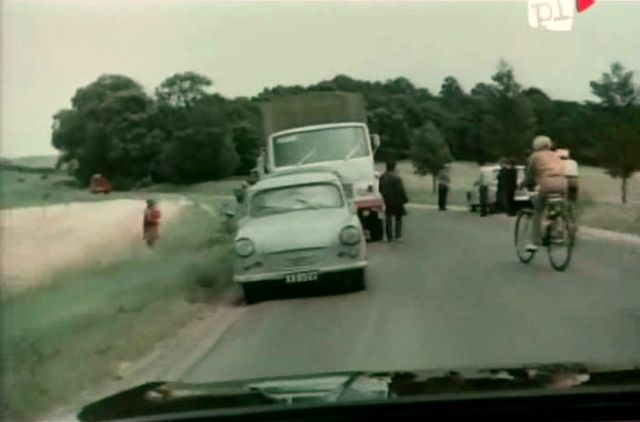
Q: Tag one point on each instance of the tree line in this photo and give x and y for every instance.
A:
(186, 133)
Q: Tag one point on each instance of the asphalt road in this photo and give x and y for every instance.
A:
(453, 294)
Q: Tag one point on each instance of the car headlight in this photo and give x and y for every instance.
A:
(350, 235)
(244, 247)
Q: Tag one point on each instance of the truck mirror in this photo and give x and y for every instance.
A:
(375, 141)
(239, 194)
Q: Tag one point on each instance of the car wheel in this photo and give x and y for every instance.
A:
(252, 293)
(356, 280)
(472, 208)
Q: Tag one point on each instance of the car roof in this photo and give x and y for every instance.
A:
(295, 178)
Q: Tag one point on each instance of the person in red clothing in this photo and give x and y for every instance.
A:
(151, 223)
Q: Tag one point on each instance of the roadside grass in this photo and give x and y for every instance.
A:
(81, 329)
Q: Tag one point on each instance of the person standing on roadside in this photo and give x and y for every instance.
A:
(501, 196)
(395, 197)
(483, 190)
(443, 188)
(151, 223)
(571, 173)
(510, 186)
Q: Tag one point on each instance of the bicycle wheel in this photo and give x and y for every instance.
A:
(560, 242)
(522, 235)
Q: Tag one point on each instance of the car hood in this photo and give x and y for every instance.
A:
(321, 389)
(296, 230)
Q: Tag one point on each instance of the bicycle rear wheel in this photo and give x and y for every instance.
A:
(560, 242)
(522, 235)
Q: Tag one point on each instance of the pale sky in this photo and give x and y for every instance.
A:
(51, 48)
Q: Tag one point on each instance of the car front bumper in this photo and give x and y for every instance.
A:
(280, 275)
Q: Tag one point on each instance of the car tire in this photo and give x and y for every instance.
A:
(472, 208)
(252, 293)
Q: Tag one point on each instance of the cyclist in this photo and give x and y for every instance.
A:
(546, 170)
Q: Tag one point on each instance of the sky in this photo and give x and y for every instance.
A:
(50, 48)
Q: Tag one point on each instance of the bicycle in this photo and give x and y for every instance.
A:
(558, 232)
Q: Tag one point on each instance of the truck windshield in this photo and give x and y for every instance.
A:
(314, 146)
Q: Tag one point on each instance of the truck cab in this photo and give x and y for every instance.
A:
(334, 144)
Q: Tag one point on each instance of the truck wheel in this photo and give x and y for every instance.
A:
(375, 229)
(252, 293)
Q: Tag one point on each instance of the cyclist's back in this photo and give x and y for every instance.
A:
(548, 170)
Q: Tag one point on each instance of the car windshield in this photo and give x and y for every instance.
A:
(315, 146)
(295, 198)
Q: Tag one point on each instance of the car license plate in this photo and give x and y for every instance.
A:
(301, 277)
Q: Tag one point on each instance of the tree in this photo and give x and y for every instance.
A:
(505, 80)
(619, 124)
(199, 154)
(183, 89)
(429, 151)
(502, 117)
(109, 113)
(620, 145)
(616, 88)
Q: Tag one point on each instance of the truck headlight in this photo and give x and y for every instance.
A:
(350, 235)
(244, 247)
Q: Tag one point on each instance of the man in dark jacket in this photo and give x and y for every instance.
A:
(510, 186)
(394, 195)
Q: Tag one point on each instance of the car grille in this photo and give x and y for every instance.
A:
(295, 259)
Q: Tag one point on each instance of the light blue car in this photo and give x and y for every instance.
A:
(298, 228)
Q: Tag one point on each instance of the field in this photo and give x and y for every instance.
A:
(81, 290)
(599, 204)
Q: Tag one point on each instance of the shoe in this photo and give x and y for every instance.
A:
(531, 247)
(399, 239)
(388, 240)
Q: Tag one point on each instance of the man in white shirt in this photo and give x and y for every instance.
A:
(571, 173)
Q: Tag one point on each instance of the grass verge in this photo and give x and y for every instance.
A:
(78, 331)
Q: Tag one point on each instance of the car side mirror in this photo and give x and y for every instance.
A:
(375, 141)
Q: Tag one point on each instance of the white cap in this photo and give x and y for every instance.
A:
(541, 142)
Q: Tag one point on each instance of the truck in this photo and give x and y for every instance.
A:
(325, 130)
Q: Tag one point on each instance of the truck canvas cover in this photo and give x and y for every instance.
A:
(313, 108)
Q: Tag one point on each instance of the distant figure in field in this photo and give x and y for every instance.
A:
(394, 195)
(100, 184)
(151, 223)
(443, 188)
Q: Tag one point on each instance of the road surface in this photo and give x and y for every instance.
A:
(452, 294)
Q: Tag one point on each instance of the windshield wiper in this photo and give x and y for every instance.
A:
(307, 156)
(307, 203)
